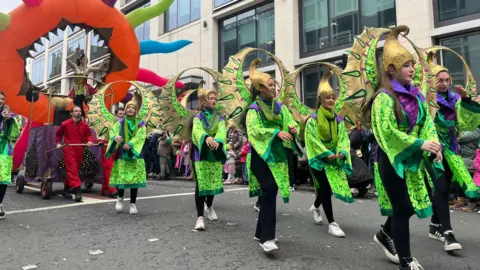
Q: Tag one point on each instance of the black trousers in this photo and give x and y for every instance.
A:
(78, 101)
(292, 166)
(397, 226)
(133, 194)
(200, 200)
(324, 195)
(3, 191)
(267, 221)
(439, 197)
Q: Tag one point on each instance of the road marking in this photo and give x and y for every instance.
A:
(91, 201)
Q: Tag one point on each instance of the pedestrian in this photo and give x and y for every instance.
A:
(476, 176)
(230, 164)
(9, 132)
(127, 138)
(243, 159)
(269, 126)
(208, 155)
(164, 152)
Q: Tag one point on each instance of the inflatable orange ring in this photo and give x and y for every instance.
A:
(36, 18)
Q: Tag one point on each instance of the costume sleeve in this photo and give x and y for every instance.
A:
(397, 144)
(12, 129)
(343, 146)
(428, 131)
(137, 142)
(59, 133)
(112, 144)
(198, 134)
(260, 137)
(289, 121)
(88, 133)
(221, 136)
(316, 150)
(468, 114)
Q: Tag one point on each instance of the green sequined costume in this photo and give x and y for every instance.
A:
(129, 167)
(9, 132)
(208, 163)
(262, 135)
(318, 151)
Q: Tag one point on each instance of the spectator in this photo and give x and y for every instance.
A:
(243, 160)
(230, 164)
(476, 175)
(164, 153)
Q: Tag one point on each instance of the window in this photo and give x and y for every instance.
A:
(57, 88)
(71, 32)
(76, 43)
(39, 48)
(218, 3)
(97, 48)
(311, 78)
(55, 62)
(253, 28)
(55, 38)
(469, 47)
(38, 68)
(182, 12)
(329, 23)
(143, 31)
(450, 9)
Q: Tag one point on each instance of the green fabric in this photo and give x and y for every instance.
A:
(268, 110)
(327, 125)
(208, 171)
(262, 135)
(336, 170)
(468, 115)
(130, 127)
(8, 135)
(213, 119)
(461, 174)
(403, 151)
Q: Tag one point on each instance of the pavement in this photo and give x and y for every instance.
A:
(61, 234)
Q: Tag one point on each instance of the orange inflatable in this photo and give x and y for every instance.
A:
(34, 19)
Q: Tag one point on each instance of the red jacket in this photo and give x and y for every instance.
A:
(73, 133)
(244, 153)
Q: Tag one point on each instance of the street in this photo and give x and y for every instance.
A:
(60, 234)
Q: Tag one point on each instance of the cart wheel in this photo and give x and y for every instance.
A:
(20, 183)
(88, 185)
(46, 190)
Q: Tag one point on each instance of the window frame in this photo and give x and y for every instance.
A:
(75, 38)
(335, 47)
(58, 47)
(166, 17)
(35, 61)
(438, 23)
(231, 2)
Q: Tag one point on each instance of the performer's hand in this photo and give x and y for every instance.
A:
(431, 146)
(216, 145)
(210, 142)
(6, 115)
(331, 157)
(284, 136)
(461, 91)
(439, 157)
(89, 144)
(341, 156)
(118, 139)
(59, 145)
(126, 147)
(292, 130)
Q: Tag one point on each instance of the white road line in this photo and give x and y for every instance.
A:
(90, 201)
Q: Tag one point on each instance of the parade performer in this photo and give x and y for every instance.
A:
(208, 155)
(270, 126)
(107, 190)
(405, 134)
(328, 151)
(457, 112)
(9, 132)
(127, 138)
(73, 131)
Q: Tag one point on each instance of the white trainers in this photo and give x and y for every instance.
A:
(200, 226)
(211, 213)
(414, 265)
(133, 209)
(258, 239)
(317, 214)
(257, 208)
(119, 205)
(334, 229)
(269, 246)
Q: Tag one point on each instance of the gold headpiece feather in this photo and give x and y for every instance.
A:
(256, 77)
(394, 53)
(435, 69)
(202, 92)
(135, 101)
(324, 87)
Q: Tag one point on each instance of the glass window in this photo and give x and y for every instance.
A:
(328, 23)
(217, 3)
(55, 62)
(143, 31)
(97, 48)
(469, 47)
(57, 88)
(39, 48)
(38, 68)
(71, 32)
(182, 12)
(449, 9)
(75, 43)
(310, 79)
(253, 28)
(55, 38)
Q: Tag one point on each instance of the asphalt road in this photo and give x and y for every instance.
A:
(59, 234)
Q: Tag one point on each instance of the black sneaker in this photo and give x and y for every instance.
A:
(78, 194)
(387, 245)
(436, 233)
(3, 215)
(66, 193)
(451, 243)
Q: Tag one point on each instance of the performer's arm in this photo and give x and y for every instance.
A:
(317, 153)
(137, 142)
(59, 134)
(112, 144)
(468, 114)
(199, 136)
(343, 147)
(260, 137)
(72, 63)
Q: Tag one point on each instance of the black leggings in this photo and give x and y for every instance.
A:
(324, 194)
(78, 101)
(292, 166)
(397, 226)
(3, 191)
(439, 198)
(200, 201)
(133, 194)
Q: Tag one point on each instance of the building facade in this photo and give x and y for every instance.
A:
(297, 31)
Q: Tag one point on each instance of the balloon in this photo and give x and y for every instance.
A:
(148, 76)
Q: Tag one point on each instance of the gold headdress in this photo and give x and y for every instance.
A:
(435, 69)
(324, 87)
(135, 101)
(256, 77)
(394, 53)
(202, 92)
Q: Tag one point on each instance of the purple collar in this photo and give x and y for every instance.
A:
(447, 106)
(407, 95)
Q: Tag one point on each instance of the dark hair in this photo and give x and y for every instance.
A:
(73, 108)
(79, 60)
(2, 93)
(119, 109)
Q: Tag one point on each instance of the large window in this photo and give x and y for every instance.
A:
(182, 12)
(253, 28)
(55, 62)
(329, 23)
(469, 47)
(75, 43)
(71, 32)
(310, 79)
(219, 3)
(39, 48)
(38, 68)
(97, 48)
(450, 9)
(143, 31)
(55, 38)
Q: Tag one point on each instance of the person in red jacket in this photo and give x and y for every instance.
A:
(243, 159)
(73, 131)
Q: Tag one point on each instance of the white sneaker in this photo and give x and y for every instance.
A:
(414, 265)
(258, 239)
(269, 246)
(119, 205)
(334, 229)
(133, 209)
(200, 226)
(292, 188)
(211, 213)
(317, 214)
(257, 208)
